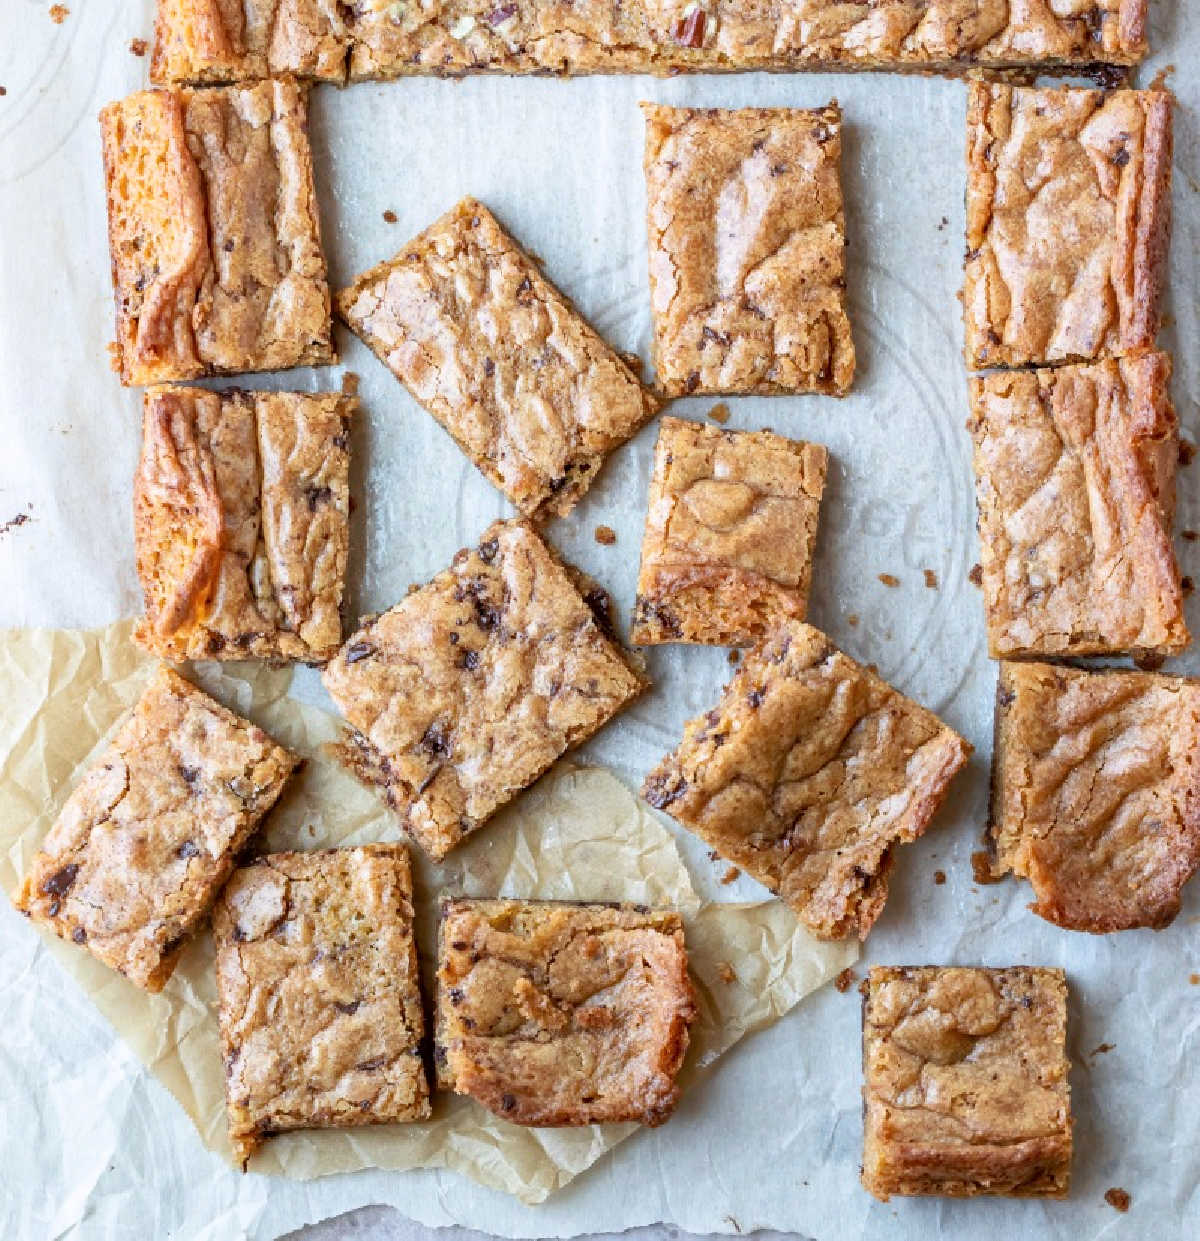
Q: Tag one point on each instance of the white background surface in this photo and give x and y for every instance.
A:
(773, 1138)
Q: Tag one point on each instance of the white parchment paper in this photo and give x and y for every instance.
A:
(90, 1144)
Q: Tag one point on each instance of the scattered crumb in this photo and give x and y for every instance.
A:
(1118, 1199)
(981, 866)
(713, 855)
(1194, 979)
(606, 535)
(1187, 452)
(1190, 535)
(939, 877)
(390, 216)
(3, 91)
(14, 523)
(1159, 81)
(634, 363)
(731, 875)
(138, 46)
(852, 620)
(1187, 584)
(350, 384)
(844, 980)
(725, 972)
(734, 656)
(930, 579)
(719, 413)
(59, 13)
(944, 221)
(1102, 1050)
(733, 1223)
(975, 577)
(1148, 661)
(889, 579)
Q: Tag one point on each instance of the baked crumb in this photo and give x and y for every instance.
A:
(390, 216)
(852, 620)
(719, 413)
(725, 972)
(350, 383)
(606, 535)
(939, 877)
(3, 91)
(845, 980)
(1194, 979)
(138, 46)
(731, 875)
(975, 577)
(889, 579)
(59, 13)
(931, 579)
(1118, 1199)
(1102, 1050)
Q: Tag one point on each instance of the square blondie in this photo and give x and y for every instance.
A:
(213, 231)
(1068, 219)
(730, 528)
(1075, 479)
(242, 523)
(555, 1013)
(807, 774)
(747, 250)
(319, 996)
(529, 391)
(965, 1082)
(1096, 792)
(465, 692)
(148, 837)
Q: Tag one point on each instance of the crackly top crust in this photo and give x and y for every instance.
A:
(746, 244)
(149, 835)
(1068, 219)
(467, 322)
(807, 774)
(552, 1013)
(241, 523)
(635, 36)
(319, 1000)
(469, 689)
(730, 528)
(1096, 792)
(216, 255)
(1075, 477)
(965, 1082)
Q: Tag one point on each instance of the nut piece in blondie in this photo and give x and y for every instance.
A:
(730, 529)
(1096, 792)
(241, 523)
(319, 999)
(807, 774)
(149, 835)
(965, 1082)
(1068, 218)
(552, 1013)
(467, 322)
(212, 221)
(1075, 478)
(747, 250)
(470, 688)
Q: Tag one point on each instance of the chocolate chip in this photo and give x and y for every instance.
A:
(187, 850)
(689, 30)
(456, 995)
(1121, 158)
(53, 909)
(189, 775)
(508, 1102)
(470, 660)
(436, 740)
(489, 367)
(358, 650)
(661, 791)
(497, 17)
(316, 497)
(487, 551)
(368, 1065)
(59, 883)
(347, 1008)
(600, 603)
(79, 935)
(755, 697)
(459, 945)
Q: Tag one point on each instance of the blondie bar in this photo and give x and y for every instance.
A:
(965, 1082)
(807, 774)
(1096, 792)
(319, 998)
(730, 529)
(470, 688)
(1075, 478)
(241, 523)
(1068, 218)
(747, 250)
(212, 222)
(149, 835)
(551, 1013)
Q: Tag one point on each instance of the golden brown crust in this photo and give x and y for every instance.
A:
(1075, 479)
(730, 528)
(965, 1082)
(553, 1013)
(1096, 792)
(318, 989)
(747, 250)
(149, 835)
(807, 774)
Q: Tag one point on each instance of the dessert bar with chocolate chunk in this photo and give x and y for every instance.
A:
(965, 1086)
(241, 523)
(149, 835)
(554, 1013)
(1068, 218)
(730, 528)
(212, 223)
(807, 774)
(466, 691)
(319, 997)
(1075, 478)
(1096, 792)
(747, 250)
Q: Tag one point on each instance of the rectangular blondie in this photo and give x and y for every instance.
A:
(553, 1013)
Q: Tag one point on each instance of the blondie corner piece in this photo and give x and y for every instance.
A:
(807, 774)
(965, 1082)
(319, 998)
(1075, 479)
(1096, 792)
(747, 247)
(212, 223)
(242, 523)
(1066, 265)
(554, 1013)
(149, 835)
(730, 528)
(465, 692)
(467, 322)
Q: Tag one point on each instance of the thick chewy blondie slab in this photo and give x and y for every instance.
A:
(320, 1004)
(149, 835)
(550, 1013)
